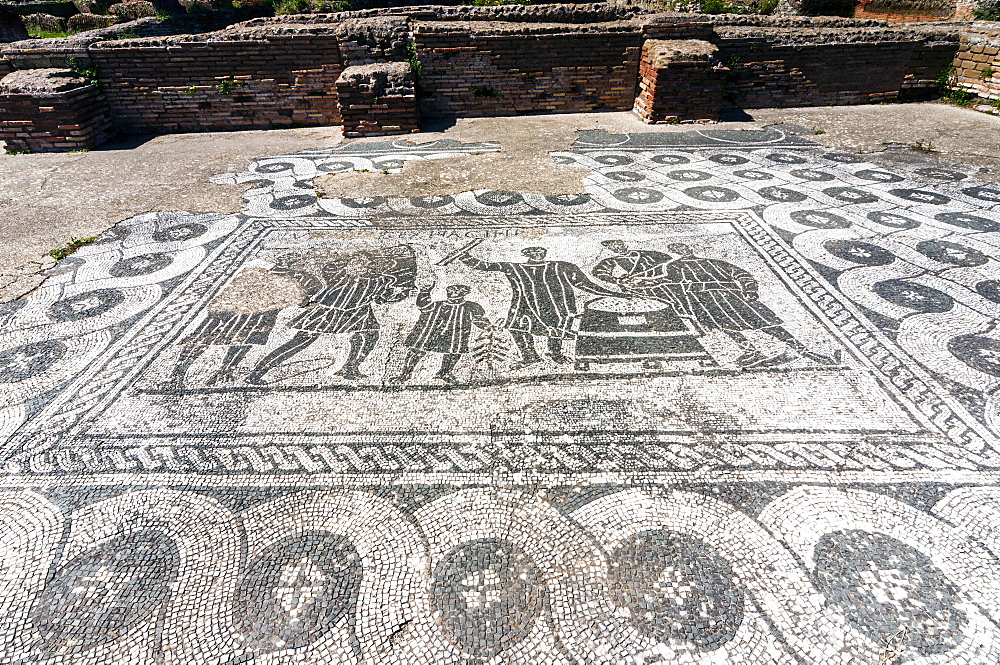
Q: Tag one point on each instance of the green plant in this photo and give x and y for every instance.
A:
(959, 97)
(50, 35)
(922, 146)
(413, 61)
(162, 15)
(196, 7)
(81, 150)
(819, 131)
(485, 92)
(945, 77)
(714, 6)
(73, 245)
(987, 73)
(88, 72)
(26, 151)
(283, 7)
(768, 6)
(127, 34)
(226, 86)
(995, 103)
(987, 10)
(733, 61)
(191, 91)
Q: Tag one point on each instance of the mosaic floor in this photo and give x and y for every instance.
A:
(737, 403)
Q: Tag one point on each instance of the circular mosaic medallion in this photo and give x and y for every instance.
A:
(102, 593)
(754, 175)
(782, 194)
(785, 158)
(921, 196)
(496, 198)
(144, 264)
(568, 199)
(85, 305)
(273, 167)
(893, 220)
(625, 176)
(878, 176)
(951, 252)
(813, 175)
(638, 195)
(28, 360)
(180, 232)
(983, 193)
(431, 201)
(486, 595)
(614, 160)
(729, 160)
(890, 591)
(978, 352)
(296, 589)
(294, 202)
(967, 221)
(672, 585)
(712, 194)
(912, 295)
(989, 289)
(850, 195)
(670, 159)
(335, 167)
(689, 175)
(863, 253)
(819, 219)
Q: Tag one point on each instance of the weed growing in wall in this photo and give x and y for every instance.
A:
(88, 72)
(226, 86)
(986, 73)
(987, 10)
(413, 61)
(485, 92)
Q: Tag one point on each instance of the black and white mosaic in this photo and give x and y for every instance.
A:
(735, 403)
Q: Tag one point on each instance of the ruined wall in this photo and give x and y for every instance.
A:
(156, 86)
(482, 69)
(774, 68)
(977, 65)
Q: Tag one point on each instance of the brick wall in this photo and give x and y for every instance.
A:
(281, 81)
(977, 66)
(60, 122)
(768, 74)
(678, 82)
(471, 72)
(927, 62)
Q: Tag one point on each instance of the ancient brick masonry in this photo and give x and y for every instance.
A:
(160, 86)
(779, 67)
(680, 80)
(51, 110)
(977, 64)
(378, 99)
(483, 69)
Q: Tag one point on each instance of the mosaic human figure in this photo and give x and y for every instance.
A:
(238, 331)
(626, 262)
(720, 296)
(543, 302)
(445, 327)
(339, 301)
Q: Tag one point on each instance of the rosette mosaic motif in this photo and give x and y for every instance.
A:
(736, 402)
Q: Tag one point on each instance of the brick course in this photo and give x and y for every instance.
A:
(282, 81)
